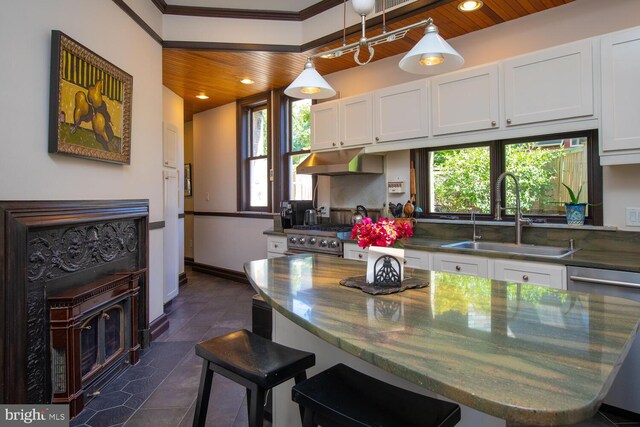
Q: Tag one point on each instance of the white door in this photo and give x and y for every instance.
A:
(356, 120)
(621, 92)
(324, 125)
(169, 146)
(552, 84)
(400, 112)
(465, 101)
(170, 259)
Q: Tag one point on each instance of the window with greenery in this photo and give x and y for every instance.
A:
(298, 147)
(254, 156)
(455, 181)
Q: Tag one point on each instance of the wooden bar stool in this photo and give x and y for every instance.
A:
(341, 396)
(251, 361)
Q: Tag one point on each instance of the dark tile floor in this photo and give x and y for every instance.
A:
(160, 391)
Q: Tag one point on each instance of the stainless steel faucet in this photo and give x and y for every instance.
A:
(473, 219)
(519, 220)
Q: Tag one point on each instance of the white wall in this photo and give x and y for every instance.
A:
(574, 21)
(27, 170)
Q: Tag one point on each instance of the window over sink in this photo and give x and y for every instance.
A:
(454, 181)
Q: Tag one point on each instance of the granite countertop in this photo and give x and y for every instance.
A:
(272, 232)
(523, 353)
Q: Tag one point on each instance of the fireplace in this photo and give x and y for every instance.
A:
(73, 297)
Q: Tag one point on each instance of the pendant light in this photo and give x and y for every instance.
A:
(431, 55)
(310, 84)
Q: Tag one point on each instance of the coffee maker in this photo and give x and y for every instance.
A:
(292, 212)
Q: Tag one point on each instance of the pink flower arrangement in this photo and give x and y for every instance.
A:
(385, 232)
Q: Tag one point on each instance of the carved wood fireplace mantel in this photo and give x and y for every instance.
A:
(51, 248)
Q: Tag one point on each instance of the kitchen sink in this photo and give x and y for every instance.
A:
(511, 248)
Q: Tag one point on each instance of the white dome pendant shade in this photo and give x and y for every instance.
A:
(310, 85)
(431, 55)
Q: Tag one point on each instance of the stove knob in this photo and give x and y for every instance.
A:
(313, 240)
(293, 240)
(302, 240)
(323, 243)
(334, 244)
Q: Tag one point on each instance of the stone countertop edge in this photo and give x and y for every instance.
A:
(513, 412)
(272, 232)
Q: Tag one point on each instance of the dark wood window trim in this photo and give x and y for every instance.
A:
(244, 107)
(594, 177)
(282, 119)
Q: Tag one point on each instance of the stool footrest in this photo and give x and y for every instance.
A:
(345, 397)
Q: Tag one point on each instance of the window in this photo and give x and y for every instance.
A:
(298, 148)
(254, 154)
(455, 181)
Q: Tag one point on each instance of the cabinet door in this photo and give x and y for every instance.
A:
(324, 125)
(356, 120)
(417, 259)
(400, 112)
(465, 101)
(462, 264)
(353, 251)
(620, 91)
(170, 146)
(276, 244)
(535, 273)
(552, 84)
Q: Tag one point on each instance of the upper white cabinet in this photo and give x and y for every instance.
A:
(400, 112)
(465, 101)
(552, 84)
(356, 120)
(620, 54)
(324, 125)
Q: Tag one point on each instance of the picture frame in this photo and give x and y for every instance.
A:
(187, 180)
(89, 104)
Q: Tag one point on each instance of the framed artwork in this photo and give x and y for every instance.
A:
(187, 180)
(90, 104)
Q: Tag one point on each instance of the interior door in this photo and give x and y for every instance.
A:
(170, 258)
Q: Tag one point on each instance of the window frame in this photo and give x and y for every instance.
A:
(497, 159)
(244, 109)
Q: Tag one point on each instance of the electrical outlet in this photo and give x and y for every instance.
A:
(633, 217)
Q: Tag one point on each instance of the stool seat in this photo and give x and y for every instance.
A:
(342, 396)
(254, 358)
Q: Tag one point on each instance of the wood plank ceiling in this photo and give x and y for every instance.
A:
(218, 73)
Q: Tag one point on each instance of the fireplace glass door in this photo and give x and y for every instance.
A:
(102, 338)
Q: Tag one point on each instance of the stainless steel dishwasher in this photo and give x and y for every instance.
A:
(625, 391)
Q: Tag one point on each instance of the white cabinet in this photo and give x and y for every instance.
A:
(276, 246)
(551, 84)
(353, 251)
(324, 125)
(534, 273)
(620, 97)
(417, 259)
(356, 120)
(465, 101)
(170, 139)
(401, 112)
(469, 265)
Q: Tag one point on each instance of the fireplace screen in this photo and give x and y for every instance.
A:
(102, 338)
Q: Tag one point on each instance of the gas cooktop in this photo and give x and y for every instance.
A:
(320, 238)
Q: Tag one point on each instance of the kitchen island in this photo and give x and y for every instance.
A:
(504, 351)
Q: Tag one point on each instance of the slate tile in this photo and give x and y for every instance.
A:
(109, 417)
(82, 417)
(167, 417)
(109, 400)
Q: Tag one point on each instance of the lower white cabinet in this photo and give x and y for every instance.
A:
(276, 246)
(469, 265)
(412, 258)
(534, 273)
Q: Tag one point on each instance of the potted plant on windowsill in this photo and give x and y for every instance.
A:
(575, 210)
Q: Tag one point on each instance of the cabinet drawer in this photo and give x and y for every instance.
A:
(353, 251)
(553, 276)
(276, 244)
(461, 264)
(417, 259)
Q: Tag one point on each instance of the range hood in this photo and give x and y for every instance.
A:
(341, 162)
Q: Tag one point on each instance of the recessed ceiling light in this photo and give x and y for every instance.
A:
(247, 81)
(470, 5)
(202, 97)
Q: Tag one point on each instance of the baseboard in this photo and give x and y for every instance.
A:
(236, 276)
(182, 279)
(188, 260)
(158, 326)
